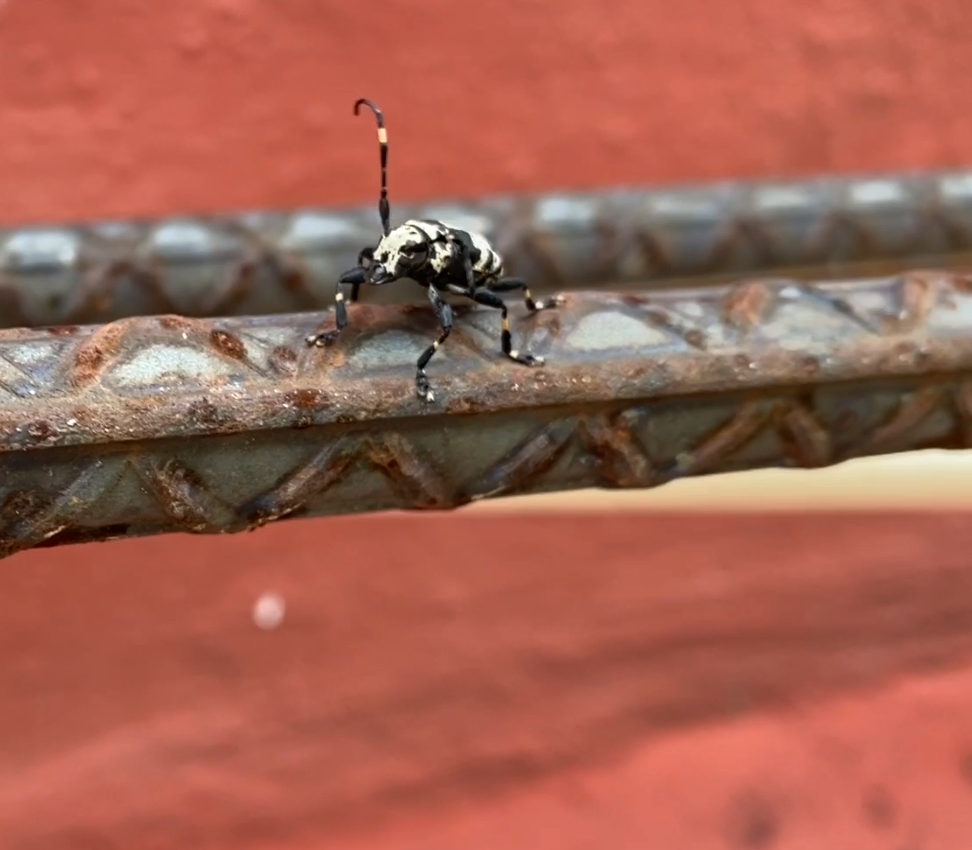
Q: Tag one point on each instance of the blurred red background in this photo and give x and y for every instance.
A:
(123, 107)
(438, 682)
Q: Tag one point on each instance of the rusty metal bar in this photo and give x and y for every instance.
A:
(285, 262)
(166, 424)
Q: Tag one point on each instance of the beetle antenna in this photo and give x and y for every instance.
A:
(383, 209)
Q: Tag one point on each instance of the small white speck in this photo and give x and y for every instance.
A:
(185, 335)
(268, 611)
(72, 422)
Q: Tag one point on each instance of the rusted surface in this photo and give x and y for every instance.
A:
(282, 262)
(161, 424)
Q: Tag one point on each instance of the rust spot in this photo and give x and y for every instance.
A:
(176, 473)
(41, 430)
(911, 413)
(147, 404)
(635, 299)
(919, 295)
(228, 344)
(204, 412)
(747, 304)
(962, 283)
(662, 320)
(63, 330)
(462, 404)
(87, 361)
(695, 338)
(308, 399)
(284, 359)
(336, 354)
(91, 356)
(82, 415)
(179, 490)
(175, 323)
(879, 808)
(18, 505)
(906, 350)
(806, 440)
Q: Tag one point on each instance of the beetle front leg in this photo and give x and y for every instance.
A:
(355, 277)
(365, 258)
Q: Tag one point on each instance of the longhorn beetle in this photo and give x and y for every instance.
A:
(439, 258)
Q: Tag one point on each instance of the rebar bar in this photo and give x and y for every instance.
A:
(167, 424)
(250, 264)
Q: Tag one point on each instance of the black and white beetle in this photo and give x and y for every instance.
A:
(441, 259)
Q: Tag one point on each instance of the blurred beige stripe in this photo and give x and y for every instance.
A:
(930, 480)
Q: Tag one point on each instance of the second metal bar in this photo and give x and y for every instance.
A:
(251, 264)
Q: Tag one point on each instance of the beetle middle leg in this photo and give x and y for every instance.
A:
(513, 284)
(444, 313)
(491, 299)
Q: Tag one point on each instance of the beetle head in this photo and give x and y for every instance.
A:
(399, 254)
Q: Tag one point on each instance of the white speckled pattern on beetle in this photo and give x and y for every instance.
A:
(392, 251)
(440, 258)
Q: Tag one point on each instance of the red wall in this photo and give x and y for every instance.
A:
(467, 696)
(117, 107)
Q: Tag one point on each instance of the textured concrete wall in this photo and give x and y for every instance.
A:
(623, 683)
